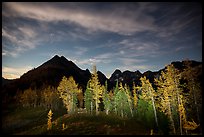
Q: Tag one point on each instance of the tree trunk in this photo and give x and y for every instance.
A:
(180, 119)
(106, 111)
(121, 110)
(195, 100)
(96, 107)
(155, 113)
(178, 99)
(91, 107)
(171, 118)
(130, 108)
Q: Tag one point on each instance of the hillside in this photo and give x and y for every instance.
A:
(30, 123)
(52, 71)
(99, 111)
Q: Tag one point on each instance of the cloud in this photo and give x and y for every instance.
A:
(13, 73)
(8, 53)
(18, 40)
(92, 61)
(80, 50)
(109, 20)
(131, 61)
(137, 47)
(80, 22)
(177, 18)
(10, 76)
(28, 32)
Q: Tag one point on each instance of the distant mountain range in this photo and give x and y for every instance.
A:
(52, 71)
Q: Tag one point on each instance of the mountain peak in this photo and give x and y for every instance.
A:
(117, 71)
(138, 72)
(56, 57)
(59, 62)
(62, 57)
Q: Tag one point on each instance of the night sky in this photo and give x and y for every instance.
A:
(126, 36)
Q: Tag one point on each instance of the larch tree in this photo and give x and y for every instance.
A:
(68, 91)
(80, 98)
(114, 97)
(28, 98)
(121, 102)
(88, 99)
(129, 96)
(168, 93)
(49, 120)
(107, 100)
(187, 125)
(96, 88)
(51, 98)
(194, 98)
(135, 96)
(148, 94)
(164, 102)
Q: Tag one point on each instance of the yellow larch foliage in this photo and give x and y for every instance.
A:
(135, 98)
(151, 132)
(168, 92)
(49, 122)
(148, 94)
(96, 88)
(188, 125)
(68, 90)
(182, 111)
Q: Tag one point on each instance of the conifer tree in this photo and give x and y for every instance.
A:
(96, 89)
(129, 96)
(148, 94)
(88, 99)
(168, 92)
(194, 98)
(121, 102)
(107, 100)
(187, 125)
(115, 97)
(28, 98)
(80, 98)
(68, 91)
(49, 121)
(135, 96)
(50, 98)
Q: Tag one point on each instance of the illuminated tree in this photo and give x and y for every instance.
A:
(148, 95)
(114, 97)
(193, 84)
(96, 89)
(49, 121)
(135, 96)
(168, 92)
(88, 99)
(129, 96)
(187, 125)
(107, 100)
(121, 102)
(80, 98)
(68, 91)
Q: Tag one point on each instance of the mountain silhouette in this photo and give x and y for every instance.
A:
(129, 77)
(52, 71)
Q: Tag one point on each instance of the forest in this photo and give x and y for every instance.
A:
(172, 105)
